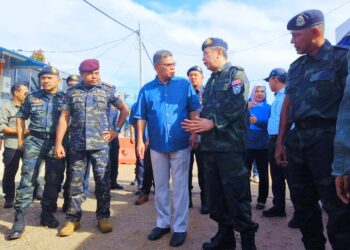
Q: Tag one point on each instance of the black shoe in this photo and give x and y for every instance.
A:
(204, 209)
(274, 212)
(177, 239)
(223, 239)
(248, 241)
(293, 223)
(8, 204)
(157, 233)
(260, 206)
(18, 226)
(47, 219)
(117, 186)
(65, 206)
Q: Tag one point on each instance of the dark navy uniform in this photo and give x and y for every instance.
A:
(315, 88)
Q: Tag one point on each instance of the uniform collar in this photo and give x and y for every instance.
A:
(222, 68)
(323, 50)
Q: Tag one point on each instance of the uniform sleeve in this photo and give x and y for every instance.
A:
(114, 100)
(341, 163)
(141, 106)
(192, 99)
(4, 114)
(223, 118)
(24, 109)
(67, 102)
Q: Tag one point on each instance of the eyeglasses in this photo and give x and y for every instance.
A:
(168, 65)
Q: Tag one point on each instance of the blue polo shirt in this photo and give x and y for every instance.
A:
(164, 107)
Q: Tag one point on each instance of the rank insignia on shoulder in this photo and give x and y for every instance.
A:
(37, 101)
(236, 86)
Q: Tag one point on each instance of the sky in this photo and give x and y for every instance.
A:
(71, 31)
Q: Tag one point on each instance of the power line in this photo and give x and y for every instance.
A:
(104, 52)
(143, 45)
(81, 50)
(93, 6)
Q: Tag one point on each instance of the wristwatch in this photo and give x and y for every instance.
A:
(118, 129)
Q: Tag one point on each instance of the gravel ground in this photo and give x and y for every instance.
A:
(131, 224)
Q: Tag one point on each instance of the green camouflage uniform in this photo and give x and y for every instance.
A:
(315, 89)
(224, 149)
(89, 109)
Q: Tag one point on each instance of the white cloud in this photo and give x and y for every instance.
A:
(73, 25)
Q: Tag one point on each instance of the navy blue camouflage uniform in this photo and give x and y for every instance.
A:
(315, 88)
(43, 110)
(88, 108)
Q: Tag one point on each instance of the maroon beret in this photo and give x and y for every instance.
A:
(89, 65)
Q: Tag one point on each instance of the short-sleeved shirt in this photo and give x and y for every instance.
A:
(8, 111)
(43, 109)
(276, 107)
(89, 112)
(315, 85)
(164, 107)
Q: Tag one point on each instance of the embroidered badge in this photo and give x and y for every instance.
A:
(37, 101)
(236, 86)
(300, 21)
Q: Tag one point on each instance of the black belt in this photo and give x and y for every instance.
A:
(316, 123)
(273, 138)
(42, 135)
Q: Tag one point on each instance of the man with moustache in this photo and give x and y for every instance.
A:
(85, 110)
(43, 108)
(314, 90)
(162, 105)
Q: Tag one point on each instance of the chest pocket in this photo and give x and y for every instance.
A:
(323, 82)
(101, 101)
(78, 102)
(222, 91)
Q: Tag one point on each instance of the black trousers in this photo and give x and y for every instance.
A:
(310, 156)
(11, 158)
(147, 173)
(113, 159)
(228, 190)
(260, 156)
(201, 176)
(278, 178)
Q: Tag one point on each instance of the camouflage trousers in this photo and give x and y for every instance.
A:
(37, 151)
(228, 191)
(310, 156)
(79, 161)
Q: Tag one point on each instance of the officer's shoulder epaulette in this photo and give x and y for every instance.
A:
(35, 92)
(341, 47)
(107, 85)
(237, 67)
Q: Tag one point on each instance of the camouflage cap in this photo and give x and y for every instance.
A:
(212, 41)
(305, 19)
(48, 70)
(195, 68)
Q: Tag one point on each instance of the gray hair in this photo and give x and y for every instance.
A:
(224, 51)
(159, 55)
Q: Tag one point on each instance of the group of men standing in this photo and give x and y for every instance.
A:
(170, 109)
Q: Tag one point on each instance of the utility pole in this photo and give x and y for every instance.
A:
(140, 56)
